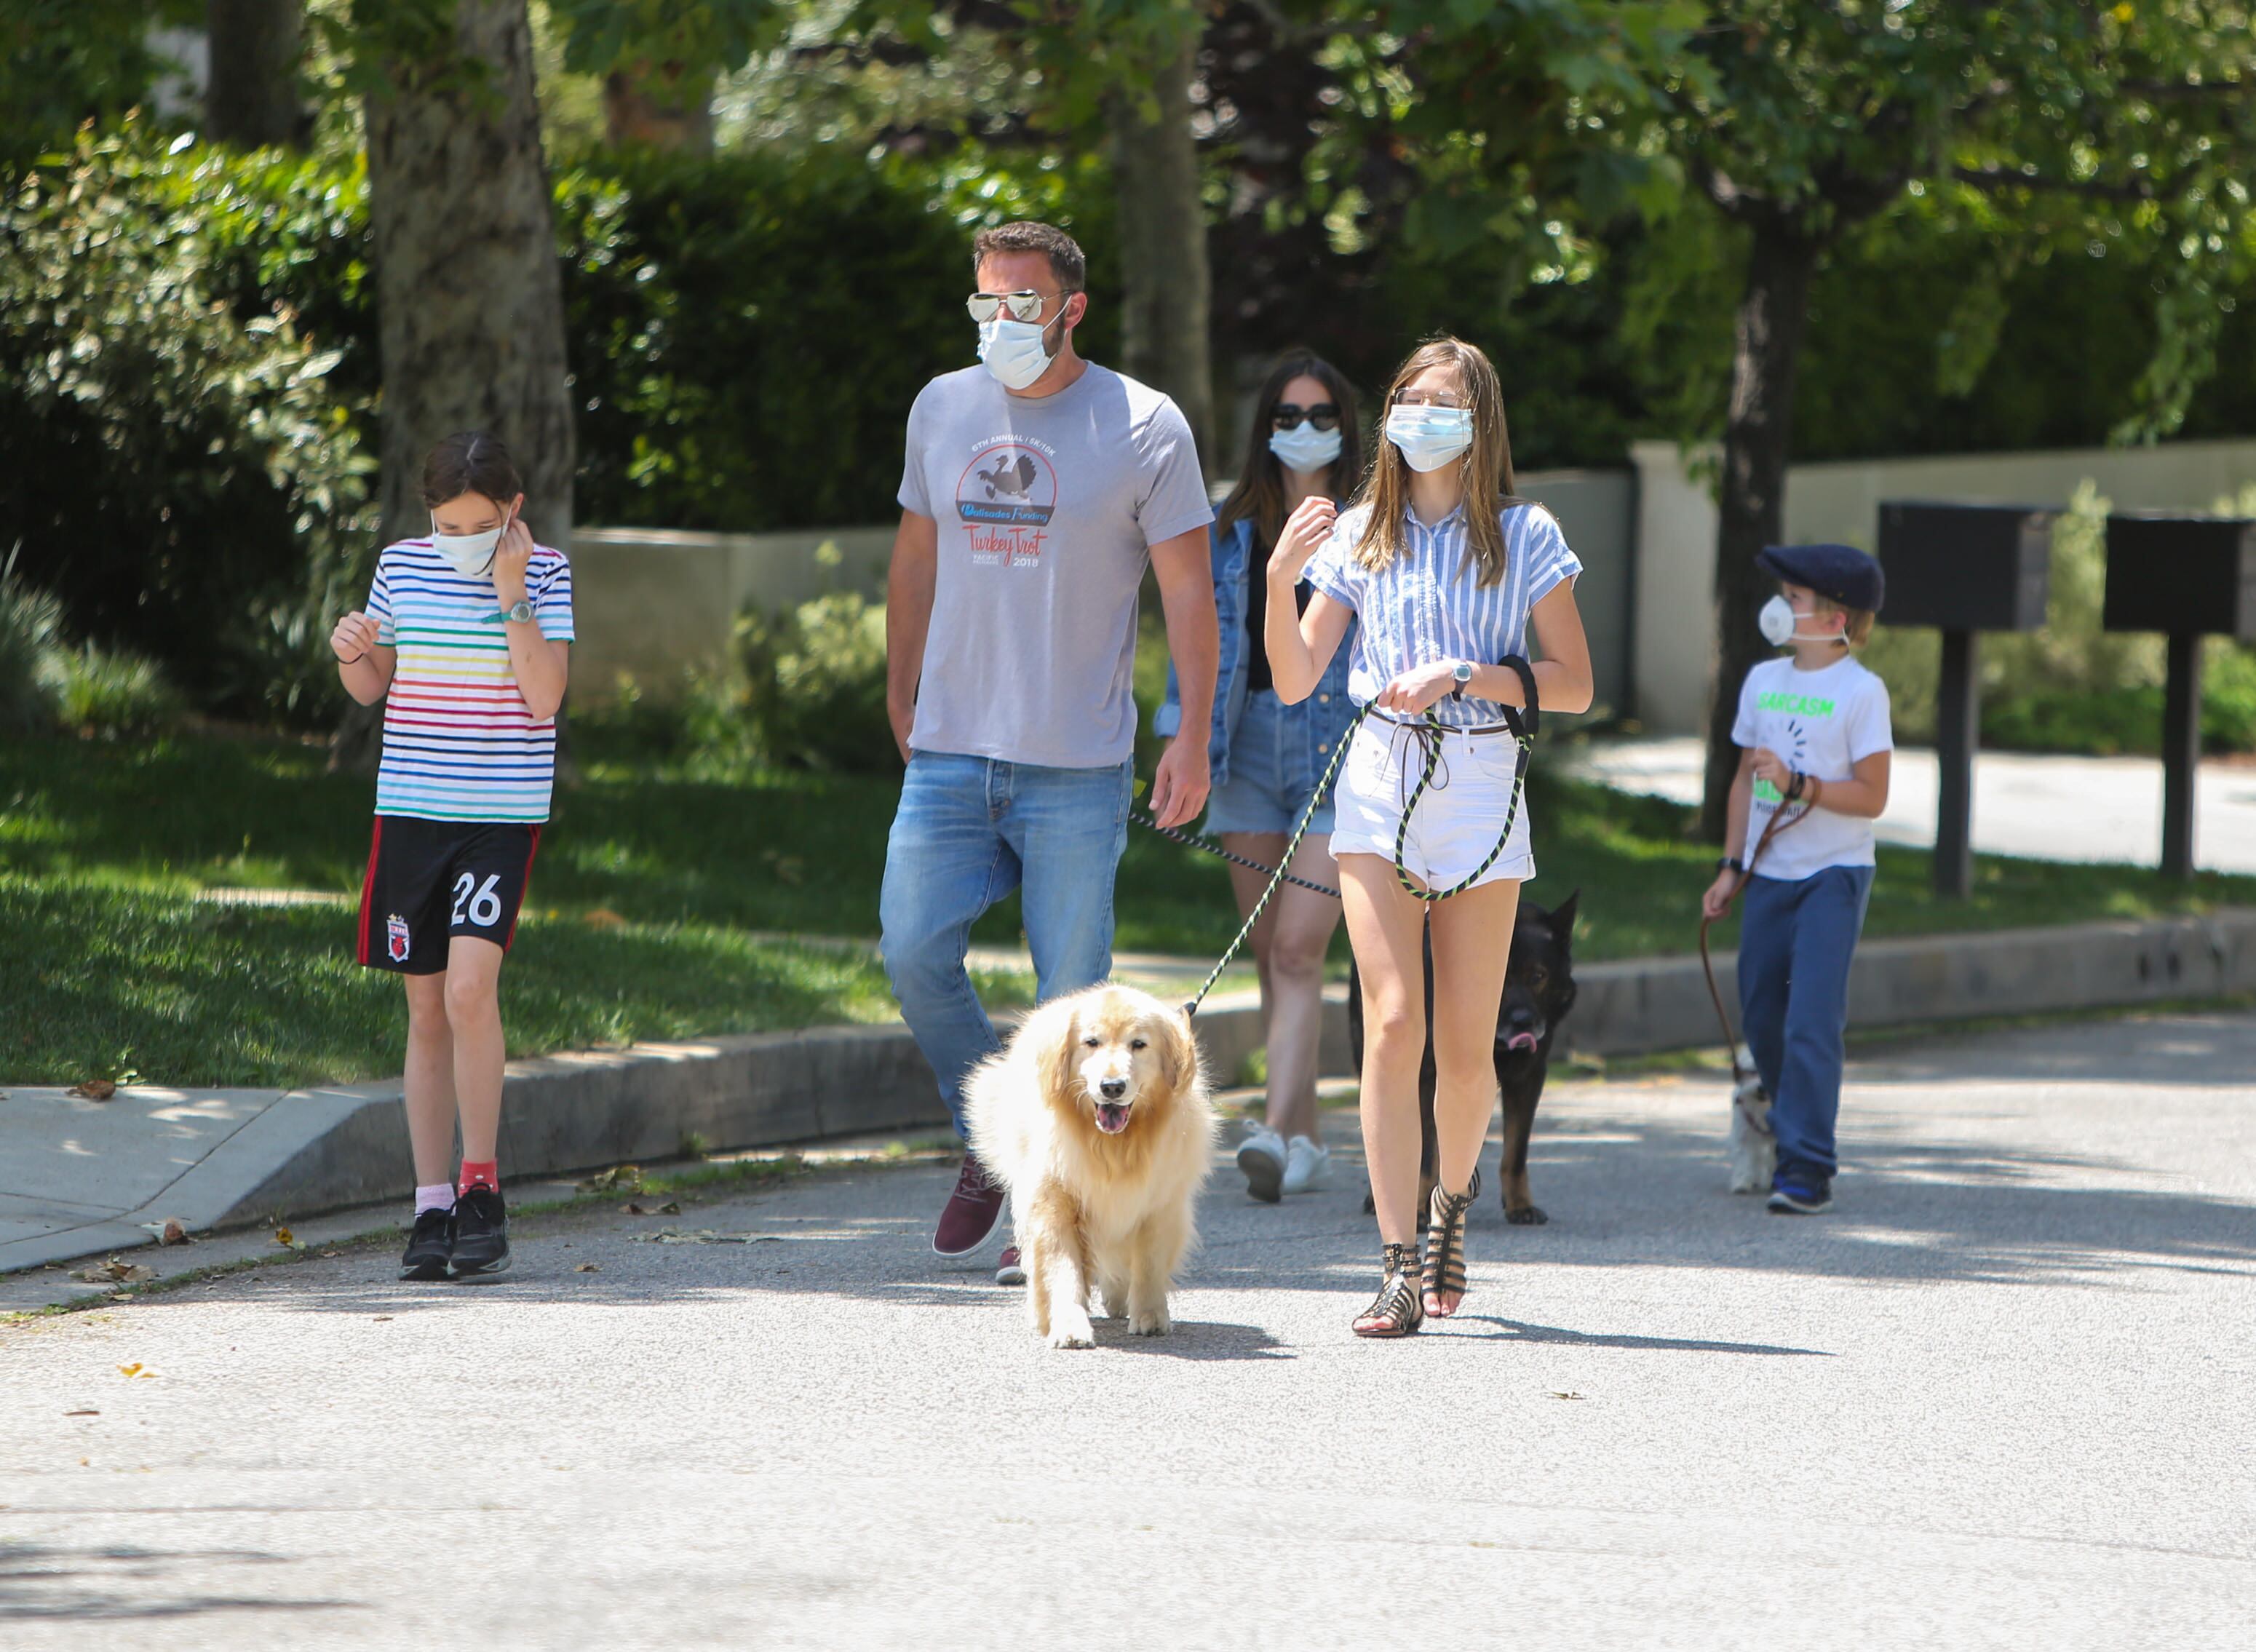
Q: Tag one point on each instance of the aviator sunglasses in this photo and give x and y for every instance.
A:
(1022, 307)
(1325, 415)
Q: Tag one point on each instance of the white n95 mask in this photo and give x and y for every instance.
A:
(1304, 448)
(1780, 625)
(1013, 351)
(469, 554)
(1430, 437)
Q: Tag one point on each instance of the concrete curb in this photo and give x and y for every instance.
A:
(316, 1150)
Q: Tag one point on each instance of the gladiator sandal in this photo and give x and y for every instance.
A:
(1445, 1248)
(1396, 1310)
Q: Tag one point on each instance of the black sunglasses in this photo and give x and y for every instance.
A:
(1287, 416)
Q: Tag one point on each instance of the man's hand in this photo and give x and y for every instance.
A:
(903, 717)
(354, 635)
(1717, 900)
(1768, 765)
(1178, 786)
(510, 556)
(1414, 690)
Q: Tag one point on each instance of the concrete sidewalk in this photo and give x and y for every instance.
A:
(2075, 809)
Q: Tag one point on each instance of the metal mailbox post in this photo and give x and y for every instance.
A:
(1962, 568)
(2187, 576)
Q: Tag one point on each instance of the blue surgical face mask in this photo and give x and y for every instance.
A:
(1014, 352)
(469, 554)
(1304, 448)
(1430, 437)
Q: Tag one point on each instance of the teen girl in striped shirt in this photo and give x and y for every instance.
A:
(1445, 571)
(466, 639)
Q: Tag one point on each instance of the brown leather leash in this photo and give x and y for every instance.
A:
(1779, 821)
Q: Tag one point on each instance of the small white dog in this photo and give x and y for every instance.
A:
(1754, 1147)
(1097, 1118)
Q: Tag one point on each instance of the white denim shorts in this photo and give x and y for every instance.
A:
(1457, 818)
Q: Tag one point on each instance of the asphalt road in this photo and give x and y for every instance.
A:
(2006, 1396)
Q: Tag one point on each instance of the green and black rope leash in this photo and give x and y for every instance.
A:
(1431, 728)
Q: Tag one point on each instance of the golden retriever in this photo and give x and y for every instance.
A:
(1097, 1118)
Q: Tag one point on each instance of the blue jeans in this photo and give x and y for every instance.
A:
(969, 830)
(1795, 942)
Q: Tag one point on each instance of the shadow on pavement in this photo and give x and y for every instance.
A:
(118, 1584)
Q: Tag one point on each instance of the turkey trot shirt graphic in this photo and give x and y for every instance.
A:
(1006, 499)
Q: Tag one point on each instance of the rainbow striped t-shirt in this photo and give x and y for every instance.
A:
(459, 741)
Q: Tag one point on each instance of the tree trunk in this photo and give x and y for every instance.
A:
(660, 106)
(1765, 357)
(469, 293)
(1163, 236)
(252, 92)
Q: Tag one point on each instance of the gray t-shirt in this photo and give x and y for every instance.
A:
(1047, 510)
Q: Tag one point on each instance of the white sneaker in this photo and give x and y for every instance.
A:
(1307, 1167)
(1261, 1156)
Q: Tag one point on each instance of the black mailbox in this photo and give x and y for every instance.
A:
(1966, 567)
(1962, 568)
(2189, 575)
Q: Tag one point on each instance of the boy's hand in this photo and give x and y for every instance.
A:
(510, 556)
(354, 635)
(1768, 765)
(1717, 900)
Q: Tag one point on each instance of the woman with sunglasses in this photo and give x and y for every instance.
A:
(1266, 755)
(1442, 572)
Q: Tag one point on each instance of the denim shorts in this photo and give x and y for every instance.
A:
(1273, 770)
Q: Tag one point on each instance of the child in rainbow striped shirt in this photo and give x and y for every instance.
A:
(467, 639)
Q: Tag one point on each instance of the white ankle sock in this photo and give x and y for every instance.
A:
(440, 1196)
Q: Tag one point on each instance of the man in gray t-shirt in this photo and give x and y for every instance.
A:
(1037, 488)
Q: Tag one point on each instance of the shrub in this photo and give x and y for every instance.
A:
(814, 690)
(97, 692)
(31, 631)
(185, 478)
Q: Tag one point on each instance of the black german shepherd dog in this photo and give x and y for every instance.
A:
(1538, 989)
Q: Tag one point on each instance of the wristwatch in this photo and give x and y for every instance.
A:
(1463, 673)
(1730, 864)
(520, 611)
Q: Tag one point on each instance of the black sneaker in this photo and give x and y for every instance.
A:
(1792, 1195)
(430, 1247)
(481, 1235)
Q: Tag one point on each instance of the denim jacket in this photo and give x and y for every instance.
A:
(1320, 719)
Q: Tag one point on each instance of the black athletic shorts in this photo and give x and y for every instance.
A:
(431, 879)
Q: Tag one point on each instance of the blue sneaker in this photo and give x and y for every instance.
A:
(1791, 1196)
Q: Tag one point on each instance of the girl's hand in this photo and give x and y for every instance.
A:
(1304, 534)
(1768, 765)
(1717, 900)
(354, 635)
(510, 558)
(1414, 691)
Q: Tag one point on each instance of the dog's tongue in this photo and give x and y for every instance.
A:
(1520, 1041)
(1111, 1117)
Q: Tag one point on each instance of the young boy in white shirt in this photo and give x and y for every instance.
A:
(1813, 775)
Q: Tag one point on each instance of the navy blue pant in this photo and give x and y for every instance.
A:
(1796, 937)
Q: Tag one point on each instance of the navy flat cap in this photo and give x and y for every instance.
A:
(1840, 573)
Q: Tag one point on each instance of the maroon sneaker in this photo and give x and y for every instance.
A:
(1009, 1270)
(972, 1212)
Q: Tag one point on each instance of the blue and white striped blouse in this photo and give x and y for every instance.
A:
(1428, 606)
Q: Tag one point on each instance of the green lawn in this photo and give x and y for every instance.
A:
(112, 965)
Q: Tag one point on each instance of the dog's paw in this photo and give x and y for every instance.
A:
(1072, 1330)
(1151, 1321)
(1527, 1215)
